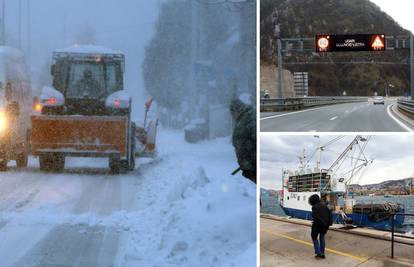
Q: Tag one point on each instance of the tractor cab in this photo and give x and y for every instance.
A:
(85, 76)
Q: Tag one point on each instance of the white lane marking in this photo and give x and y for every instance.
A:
(405, 127)
(333, 118)
(290, 113)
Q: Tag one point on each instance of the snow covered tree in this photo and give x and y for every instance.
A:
(167, 61)
(196, 56)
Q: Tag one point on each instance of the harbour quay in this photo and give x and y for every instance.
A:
(286, 241)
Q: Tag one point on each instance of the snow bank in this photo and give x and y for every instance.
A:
(201, 215)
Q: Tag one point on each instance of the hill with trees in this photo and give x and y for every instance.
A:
(361, 73)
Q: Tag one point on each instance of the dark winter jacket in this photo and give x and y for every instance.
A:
(322, 217)
(244, 137)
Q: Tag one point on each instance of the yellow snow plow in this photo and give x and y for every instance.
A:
(86, 113)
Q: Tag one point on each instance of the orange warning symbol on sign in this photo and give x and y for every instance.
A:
(378, 43)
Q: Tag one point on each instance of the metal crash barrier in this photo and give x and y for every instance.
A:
(406, 105)
(281, 104)
(403, 239)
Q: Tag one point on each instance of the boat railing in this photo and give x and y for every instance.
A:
(403, 239)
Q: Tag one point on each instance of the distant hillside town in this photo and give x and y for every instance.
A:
(392, 187)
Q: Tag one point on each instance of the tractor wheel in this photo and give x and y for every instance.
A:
(45, 162)
(118, 166)
(115, 165)
(3, 160)
(52, 162)
(3, 165)
(59, 163)
(21, 160)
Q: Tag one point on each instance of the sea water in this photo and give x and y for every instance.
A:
(270, 205)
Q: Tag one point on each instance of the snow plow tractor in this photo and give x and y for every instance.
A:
(86, 113)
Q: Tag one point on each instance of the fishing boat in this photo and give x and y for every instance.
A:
(331, 186)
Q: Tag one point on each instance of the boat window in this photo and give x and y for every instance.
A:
(304, 198)
(287, 198)
(298, 198)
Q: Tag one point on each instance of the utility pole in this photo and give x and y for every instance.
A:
(20, 25)
(29, 52)
(65, 29)
(280, 68)
(412, 65)
(275, 21)
(194, 56)
(3, 23)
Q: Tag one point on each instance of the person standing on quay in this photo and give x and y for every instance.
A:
(322, 219)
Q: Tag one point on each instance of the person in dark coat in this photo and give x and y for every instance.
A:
(244, 137)
(322, 219)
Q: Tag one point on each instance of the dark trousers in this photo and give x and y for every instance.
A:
(251, 175)
(318, 245)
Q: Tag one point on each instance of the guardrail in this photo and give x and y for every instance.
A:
(280, 104)
(406, 105)
(393, 235)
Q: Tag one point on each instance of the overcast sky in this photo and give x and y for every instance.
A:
(392, 156)
(126, 25)
(400, 10)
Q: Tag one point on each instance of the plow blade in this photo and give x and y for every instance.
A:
(146, 140)
(99, 136)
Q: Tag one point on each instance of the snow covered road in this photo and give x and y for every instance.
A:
(182, 208)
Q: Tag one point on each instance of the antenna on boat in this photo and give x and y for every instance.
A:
(318, 160)
(303, 162)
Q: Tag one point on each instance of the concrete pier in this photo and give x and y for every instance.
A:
(287, 242)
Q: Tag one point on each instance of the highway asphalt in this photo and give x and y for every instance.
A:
(350, 117)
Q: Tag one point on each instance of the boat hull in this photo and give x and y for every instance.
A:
(362, 220)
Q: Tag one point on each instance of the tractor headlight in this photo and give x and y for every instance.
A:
(3, 121)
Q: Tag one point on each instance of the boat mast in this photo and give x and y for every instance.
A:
(318, 163)
(303, 162)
